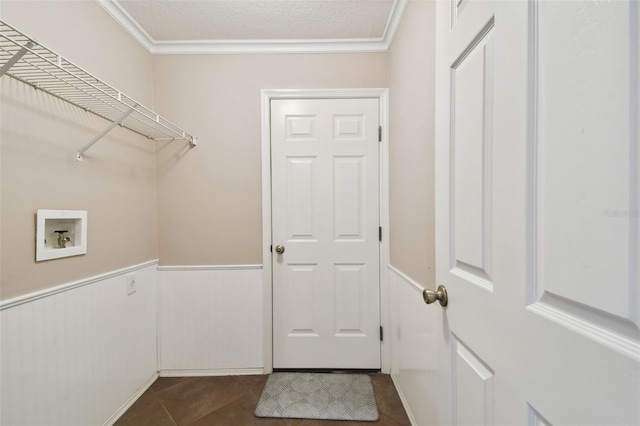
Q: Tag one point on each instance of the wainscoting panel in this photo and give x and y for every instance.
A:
(210, 319)
(77, 354)
(415, 363)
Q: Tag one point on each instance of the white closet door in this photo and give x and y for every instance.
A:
(326, 307)
(537, 211)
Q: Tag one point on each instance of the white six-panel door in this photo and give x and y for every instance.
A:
(326, 293)
(537, 211)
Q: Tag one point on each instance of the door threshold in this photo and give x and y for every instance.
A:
(328, 370)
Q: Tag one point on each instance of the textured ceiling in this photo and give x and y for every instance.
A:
(260, 20)
(230, 26)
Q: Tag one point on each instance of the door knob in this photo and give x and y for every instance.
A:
(431, 296)
(279, 249)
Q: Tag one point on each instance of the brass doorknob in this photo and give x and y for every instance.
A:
(279, 249)
(431, 296)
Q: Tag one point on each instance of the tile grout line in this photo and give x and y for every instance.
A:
(162, 405)
(235, 378)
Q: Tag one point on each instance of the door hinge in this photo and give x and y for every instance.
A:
(379, 133)
(379, 233)
(271, 248)
(381, 334)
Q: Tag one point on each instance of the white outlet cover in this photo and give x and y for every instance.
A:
(131, 284)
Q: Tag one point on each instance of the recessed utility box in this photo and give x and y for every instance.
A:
(60, 233)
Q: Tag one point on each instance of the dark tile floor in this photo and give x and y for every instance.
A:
(231, 400)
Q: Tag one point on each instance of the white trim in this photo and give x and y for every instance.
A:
(404, 401)
(158, 320)
(385, 289)
(10, 303)
(165, 47)
(129, 402)
(413, 284)
(208, 267)
(211, 372)
(123, 18)
(395, 17)
(234, 47)
(267, 95)
(267, 291)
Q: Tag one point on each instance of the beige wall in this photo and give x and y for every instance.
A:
(208, 204)
(209, 197)
(412, 109)
(40, 136)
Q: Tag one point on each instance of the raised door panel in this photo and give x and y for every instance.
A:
(586, 175)
(301, 198)
(348, 127)
(350, 295)
(535, 419)
(300, 289)
(300, 127)
(471, 141)
(473, 383)
(349, 198)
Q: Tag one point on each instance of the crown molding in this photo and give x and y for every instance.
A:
(267, 46)
(122, 17)
(185, 47)
(397, 11)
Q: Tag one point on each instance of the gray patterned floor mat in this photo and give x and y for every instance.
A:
(323, 396)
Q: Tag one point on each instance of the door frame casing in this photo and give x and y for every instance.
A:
(267, 95)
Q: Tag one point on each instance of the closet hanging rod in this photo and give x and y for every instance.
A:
(27, 61)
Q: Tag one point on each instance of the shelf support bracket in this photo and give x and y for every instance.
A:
(103, 133)
(15, 58)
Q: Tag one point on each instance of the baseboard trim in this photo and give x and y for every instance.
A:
(211, 372)
(208, 267)
(138, 393)
(405, 404)
(10, 303)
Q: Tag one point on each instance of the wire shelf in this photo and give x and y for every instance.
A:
(32, 63)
